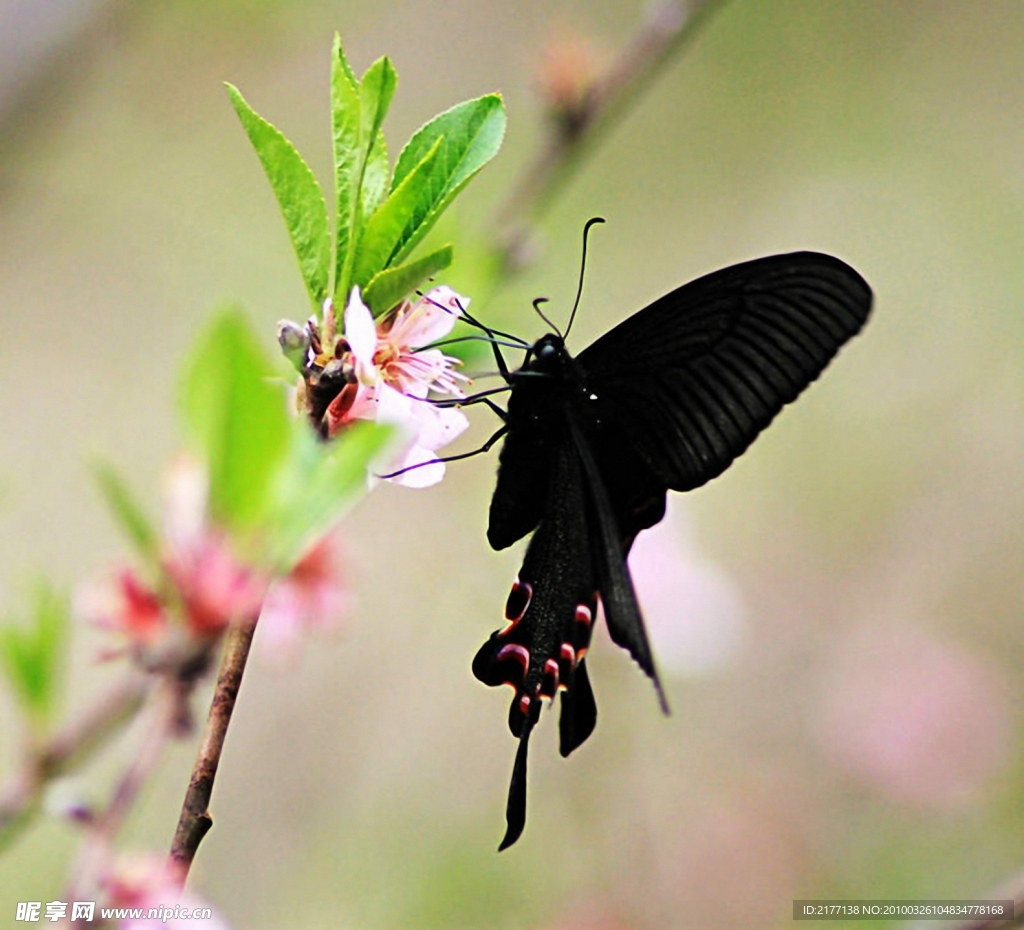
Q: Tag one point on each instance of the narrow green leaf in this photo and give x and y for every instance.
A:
(339, 55)
(382, 235)
(472, 133)
(376, 89)
(318, 483)
(126, 511)
(298, 194)
(237, 418)
(345, 123)
(375, 92)
(388, 287)
(32, 654)
(376, 177)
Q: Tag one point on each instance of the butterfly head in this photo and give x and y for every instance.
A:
(548, 355)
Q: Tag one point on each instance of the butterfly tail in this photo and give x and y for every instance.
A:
(515, 809)
(579, 712)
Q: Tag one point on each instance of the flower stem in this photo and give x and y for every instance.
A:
(195, 820)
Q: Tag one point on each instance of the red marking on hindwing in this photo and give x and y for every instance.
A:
(584, 615)
(514, 651)
(518, 601)
(550, 682)
(569, 654)
(524, 704)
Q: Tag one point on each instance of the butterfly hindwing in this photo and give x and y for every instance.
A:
(609, 548)
(578, 714)
(550, 614)
(692, 379)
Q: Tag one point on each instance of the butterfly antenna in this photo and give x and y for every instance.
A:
(593, 221)
(540, 313)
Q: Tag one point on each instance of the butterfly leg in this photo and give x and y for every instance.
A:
(501, 414)
(467, 401)
(500, 359)
(486, 447)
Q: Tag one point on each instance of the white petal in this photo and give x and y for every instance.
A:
(425, 475)
(395, 409)
(364, 407)
(439, 426)
(361, 333)
(433, 316)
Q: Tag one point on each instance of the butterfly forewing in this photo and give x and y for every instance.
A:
(691, 380)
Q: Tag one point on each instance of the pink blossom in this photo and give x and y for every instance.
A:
(695, 613)
(149, 883)
(313, 596)
(214, 586)
(395, 376)
(125, 604)
(923, 721)
(198, 572)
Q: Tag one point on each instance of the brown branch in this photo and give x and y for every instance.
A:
(65, 751)
(195, 820)
(667, 29)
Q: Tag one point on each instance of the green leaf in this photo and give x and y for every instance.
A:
(126, 511)
(376, 177)
(32, 655)
(374, 97)
(345, 124)
(375, 92)
(298, 194)
(237, 418)
(388, 287)
(471, 135)
(316, 485)
(382, 236)
(342, 61)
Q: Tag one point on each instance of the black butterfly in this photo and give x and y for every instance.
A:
(665, 400)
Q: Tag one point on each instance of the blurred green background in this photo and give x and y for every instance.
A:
(839, 617)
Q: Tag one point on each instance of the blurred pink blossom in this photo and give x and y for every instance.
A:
(695, 614)
(395, 375)
(148, 882)
(924, 722)
(198, 572)
(313, 596)
(124, 604)
(214, 586)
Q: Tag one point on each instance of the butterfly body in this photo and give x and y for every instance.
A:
(664, 401)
